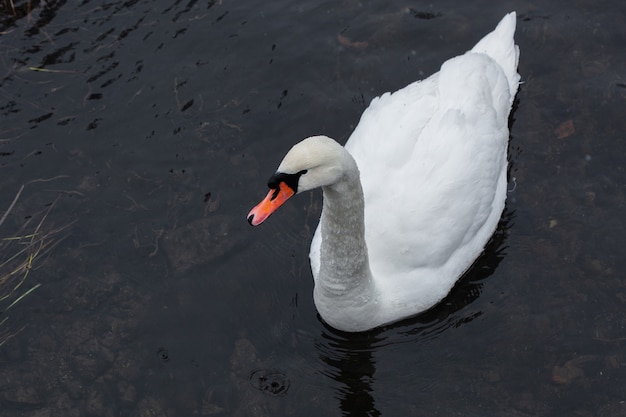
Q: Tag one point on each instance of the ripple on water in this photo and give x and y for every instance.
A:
(270, 381)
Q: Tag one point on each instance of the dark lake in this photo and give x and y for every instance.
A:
(142, 133)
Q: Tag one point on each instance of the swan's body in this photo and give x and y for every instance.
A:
(416, 193)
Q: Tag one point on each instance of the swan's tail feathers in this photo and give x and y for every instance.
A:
(500, 46)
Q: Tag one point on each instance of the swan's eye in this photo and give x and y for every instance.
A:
(291, 180)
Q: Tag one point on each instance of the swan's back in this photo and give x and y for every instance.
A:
(432, 158)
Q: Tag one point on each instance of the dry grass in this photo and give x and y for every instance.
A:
(19, 253)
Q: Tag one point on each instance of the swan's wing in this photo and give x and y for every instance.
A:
(391, 125)
(430, 192)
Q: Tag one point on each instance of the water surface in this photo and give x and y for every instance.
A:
(153, 125)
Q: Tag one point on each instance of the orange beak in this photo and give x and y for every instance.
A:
(274, 199)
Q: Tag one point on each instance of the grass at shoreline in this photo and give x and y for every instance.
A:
(20, 252)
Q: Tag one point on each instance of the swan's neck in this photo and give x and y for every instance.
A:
(344, 265)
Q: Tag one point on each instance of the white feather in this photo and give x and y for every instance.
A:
(432, 159)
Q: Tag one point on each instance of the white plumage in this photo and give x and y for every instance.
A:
(431, 160)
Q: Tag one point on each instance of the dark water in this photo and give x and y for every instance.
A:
(153, 125)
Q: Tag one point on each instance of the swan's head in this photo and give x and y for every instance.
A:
(315, 162)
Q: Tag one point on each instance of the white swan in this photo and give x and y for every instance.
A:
(416, 193)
